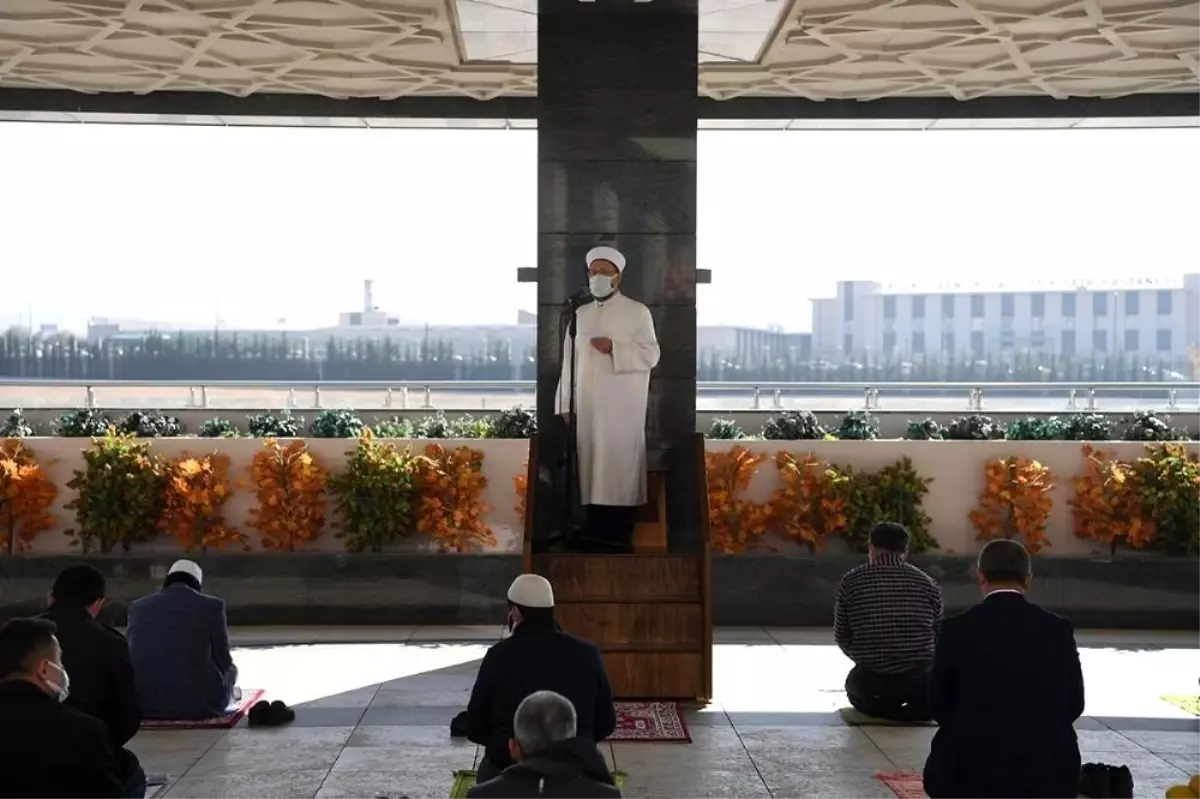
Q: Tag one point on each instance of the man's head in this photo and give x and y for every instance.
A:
(605, 266)
(80, 586)
(542, 719)
(530, 598)
(185, 571)
(30, 652)
(887, 538)
(1004, 564)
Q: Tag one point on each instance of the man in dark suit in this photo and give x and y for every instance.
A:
(97, 658)
(538, 656)
(179, 640)
(1006, 689)
(47, 748)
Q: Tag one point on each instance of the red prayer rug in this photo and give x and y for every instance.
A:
(656, 722)
(905, 784)
(249, 697)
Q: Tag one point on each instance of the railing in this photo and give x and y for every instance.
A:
(753, 395)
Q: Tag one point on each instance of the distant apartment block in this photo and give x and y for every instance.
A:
(1148, 317)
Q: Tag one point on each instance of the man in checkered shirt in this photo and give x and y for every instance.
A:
(885, 620)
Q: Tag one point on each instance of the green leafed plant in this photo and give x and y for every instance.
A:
(794, 426)
(467, 426)
(16, 426)
(396, 427)
(895, 493)
(973, 427)
(81, 423)
(928, 429)
(375, 496)
(150, 424)
(1087, 427)
(270, 425)
(725, 430)
(219, 428)
(436, 425)
(858, 426)
(1034, 428)
(1169, 482)
(339, 423)
(1150, 426)
(515, 422)
(118, 495)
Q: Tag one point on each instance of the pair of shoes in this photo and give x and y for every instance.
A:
(271, 714)
(1101, 781)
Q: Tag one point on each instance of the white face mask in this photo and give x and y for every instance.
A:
(600, 286)
(61, 690)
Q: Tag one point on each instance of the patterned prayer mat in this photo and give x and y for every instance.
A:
(905, 784)
(1189, 703)
(858, 719)
(658, 722)
(249, 697)
(465, 781)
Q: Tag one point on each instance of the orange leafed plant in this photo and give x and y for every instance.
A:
(1108, 506)
(521, 485)
(290, 487)
(736, 522)
(26, 494)
(196, 490)
(812, 504)
(452, 508)
(1015, 502)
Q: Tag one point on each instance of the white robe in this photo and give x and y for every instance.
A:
(611, 395)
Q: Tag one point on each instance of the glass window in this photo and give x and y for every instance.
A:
(889, 343)
(1037, 338)
(1100, 340)
(889, 307)
(1037, 304)
(847, 343)
(918, 342)
(1132, 304)
(848, 304)
(1163, 340)
(1131, 341)
(977, 343)
(1099, 304)
(976, 306)
(1068, 305)
(918, 306)
(1008, 305)
(948, 306)
(1164, 303)
(1008, 339)
(948, 343)
(1068, 342)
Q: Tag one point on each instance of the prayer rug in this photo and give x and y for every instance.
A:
(857, 719)
(656, 722)
(1189, 703)
(232, 717)
(465, 781)
(905, 784)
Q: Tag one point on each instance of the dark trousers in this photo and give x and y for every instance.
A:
(608, 530)
(898, 697)
(134, 785)
(486, 770)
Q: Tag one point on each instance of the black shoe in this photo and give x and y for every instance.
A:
(1120, 782)
(280, 714)
(458, 725)
(259, 715)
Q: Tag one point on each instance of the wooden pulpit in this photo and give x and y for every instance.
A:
(649, 612)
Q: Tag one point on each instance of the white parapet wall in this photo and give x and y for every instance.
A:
(956, 467)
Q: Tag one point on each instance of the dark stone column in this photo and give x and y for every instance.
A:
(617, 112)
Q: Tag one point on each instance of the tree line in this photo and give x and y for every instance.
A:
(215, 356)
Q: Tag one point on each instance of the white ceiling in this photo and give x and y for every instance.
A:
(817, 49)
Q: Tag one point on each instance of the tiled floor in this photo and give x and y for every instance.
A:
(374, 705)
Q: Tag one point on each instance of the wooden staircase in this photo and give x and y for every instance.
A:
(650, 613)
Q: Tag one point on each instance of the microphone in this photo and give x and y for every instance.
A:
(581, 297)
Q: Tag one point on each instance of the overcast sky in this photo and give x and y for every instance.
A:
(254, 225)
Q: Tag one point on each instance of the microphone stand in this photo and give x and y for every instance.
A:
(571, 527)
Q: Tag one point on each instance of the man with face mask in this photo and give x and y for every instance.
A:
(47, 749)
(615, 349)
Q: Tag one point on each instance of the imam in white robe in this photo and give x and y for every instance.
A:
(611, 395)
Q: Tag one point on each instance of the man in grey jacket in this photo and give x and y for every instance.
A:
(179, 642)
(551, 760)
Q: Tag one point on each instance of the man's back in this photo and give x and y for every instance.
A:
(886, 615)
(1006, 689)
(171, 639)
(50, 750)
(538, 657)
(570, 769)
(102, 682)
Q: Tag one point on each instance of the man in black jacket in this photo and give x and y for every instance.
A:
(1006, 689)
(97, 658)
(551, 761)
(538, 656)
(47, 749)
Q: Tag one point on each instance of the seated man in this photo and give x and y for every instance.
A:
(551, 761)
(47, 748)
(1006, 690)
(885, 620)
(179, 640)
(538, 656)
(97, 658)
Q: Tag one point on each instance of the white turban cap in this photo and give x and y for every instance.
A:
(610, 254)
(531, 591)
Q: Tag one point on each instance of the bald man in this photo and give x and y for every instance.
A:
(615, 349)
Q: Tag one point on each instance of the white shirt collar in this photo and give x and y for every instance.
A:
(1004, 591)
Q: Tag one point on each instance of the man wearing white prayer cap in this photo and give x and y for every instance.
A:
(538, 656)
(615, 349)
